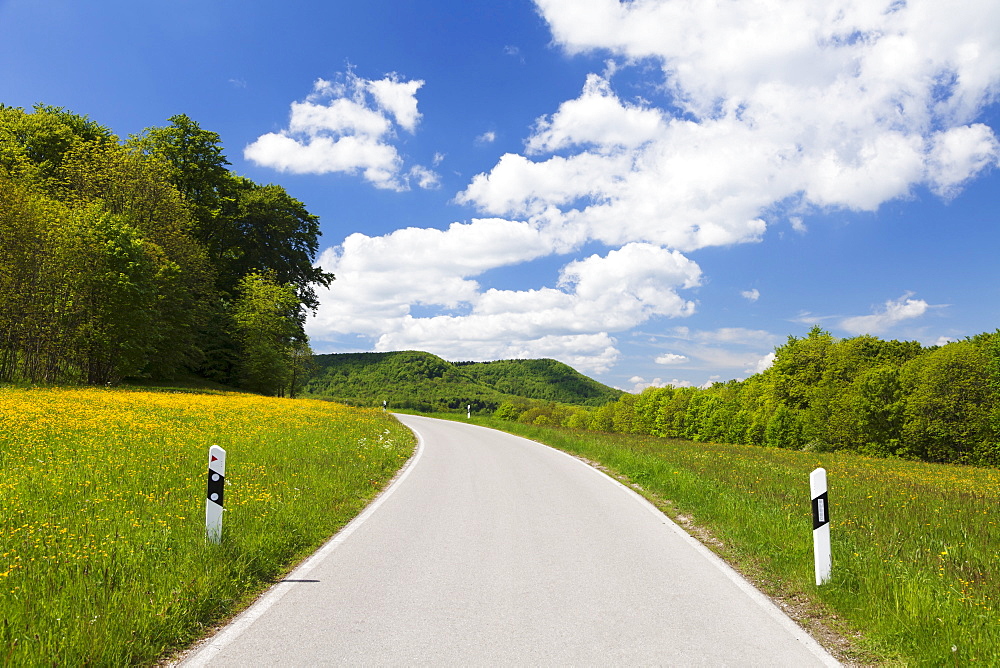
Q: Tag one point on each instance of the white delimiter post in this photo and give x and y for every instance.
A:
(216, 487)
(821, 525)
(468, 409)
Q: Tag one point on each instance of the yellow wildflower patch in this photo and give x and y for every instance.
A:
(102, 551)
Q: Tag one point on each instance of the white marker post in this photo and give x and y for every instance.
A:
(468, 413)
(821, 525)
(216, 487)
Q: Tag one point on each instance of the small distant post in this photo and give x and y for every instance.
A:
(468, 412)
(821, 525)
(216, 488)
(385, 405)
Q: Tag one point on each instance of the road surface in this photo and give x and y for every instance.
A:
(494, 550)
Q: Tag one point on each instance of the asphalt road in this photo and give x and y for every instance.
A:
(493, 550)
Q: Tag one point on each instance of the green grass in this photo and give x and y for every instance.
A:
(916, 569)
(103, 557)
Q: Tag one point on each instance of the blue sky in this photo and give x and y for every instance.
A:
(653, 192)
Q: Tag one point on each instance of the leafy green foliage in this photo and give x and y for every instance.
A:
(131, 259)
(863, 395)
(268, 230)
(197, 166)
(245, 227)
(32, 146)
(948, 405)
(265, 325)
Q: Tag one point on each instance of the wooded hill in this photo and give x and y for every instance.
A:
(422, 381)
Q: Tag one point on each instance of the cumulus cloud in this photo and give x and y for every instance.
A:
(761, 365)
(425, 178)
(573, 321)
(597, 118)
(893, 312)
(398, 98)
(751, 295)
(348, 126)
(810, 106)
(671, 358)
(959, 154)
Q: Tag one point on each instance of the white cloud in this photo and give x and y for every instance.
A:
(763, 364)
(729, 348)
(639, 280)
(487, 137)
(639, 384)
(596, 118)
(425, 178)
(751, 295)
(688, 187)
(891, 314)
(594, 297)
(810, 318)
(840, 104)
(729, 357)
(738, 336)
(399, 98)
(959, 154)
(883, 318)
(348, 127)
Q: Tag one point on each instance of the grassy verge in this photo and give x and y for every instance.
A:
(916, 547)
(103, 558)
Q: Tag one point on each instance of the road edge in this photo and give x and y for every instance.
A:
(205, 650)
(767, 605)
(737, 578)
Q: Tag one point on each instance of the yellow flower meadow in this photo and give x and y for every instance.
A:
(103, 557)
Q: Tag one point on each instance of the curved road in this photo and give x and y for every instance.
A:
(490, 549)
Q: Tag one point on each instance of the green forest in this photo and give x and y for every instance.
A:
(146, 258)
(425, 382)
(862, 395)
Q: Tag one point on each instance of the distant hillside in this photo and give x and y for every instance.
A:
(423, 381)
(545, 379)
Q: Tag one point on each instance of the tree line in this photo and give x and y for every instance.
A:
(147, 258)
(862, 395)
